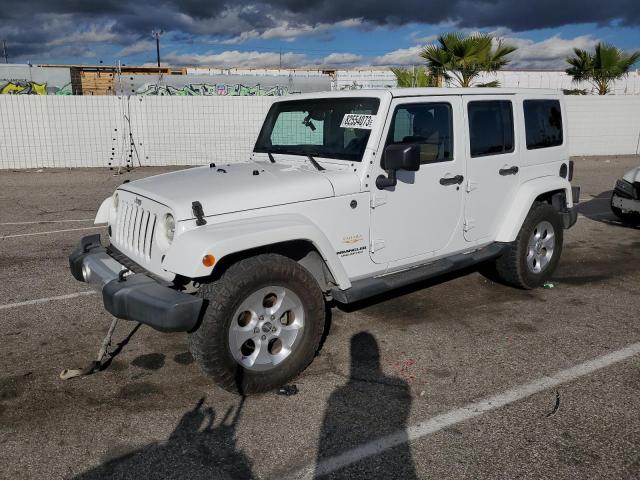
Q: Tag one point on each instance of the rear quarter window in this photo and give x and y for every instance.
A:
(490, 127)
(543, 123)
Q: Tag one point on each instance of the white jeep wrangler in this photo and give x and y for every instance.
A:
(346, 195)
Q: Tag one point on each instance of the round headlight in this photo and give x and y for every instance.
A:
(116, 200)
(169, 226)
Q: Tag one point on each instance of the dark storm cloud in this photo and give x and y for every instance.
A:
(514, 15)
(35, 25)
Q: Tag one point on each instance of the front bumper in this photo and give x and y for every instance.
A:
(625, 204)
(135, 297)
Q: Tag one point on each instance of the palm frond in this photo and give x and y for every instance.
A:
(600, 68)
(462, 58)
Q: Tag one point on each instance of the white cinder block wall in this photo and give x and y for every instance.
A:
(76, 131)
(603, 125)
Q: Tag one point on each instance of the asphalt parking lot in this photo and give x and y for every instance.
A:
(406, 412)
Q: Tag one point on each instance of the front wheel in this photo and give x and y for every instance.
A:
(262, 324)
(531, 259)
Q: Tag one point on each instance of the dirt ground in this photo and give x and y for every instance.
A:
(442, 345)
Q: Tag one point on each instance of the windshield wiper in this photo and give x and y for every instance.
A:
(273, 160)
(314, 163)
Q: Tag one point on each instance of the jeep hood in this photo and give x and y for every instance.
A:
(243, 186)
(632, 175)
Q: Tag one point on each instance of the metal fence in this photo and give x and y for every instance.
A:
(78, 131)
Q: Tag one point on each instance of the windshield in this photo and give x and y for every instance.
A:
(324, 127)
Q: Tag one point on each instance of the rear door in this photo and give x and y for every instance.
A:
(493, 163)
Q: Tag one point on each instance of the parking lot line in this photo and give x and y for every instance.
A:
(469, 411)
(3, 237)
(44, 300)
(46, 221)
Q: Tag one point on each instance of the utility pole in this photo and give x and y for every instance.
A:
(4, 51)
(156, 34)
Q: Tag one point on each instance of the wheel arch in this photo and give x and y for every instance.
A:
(292, 236)
(302, 251)
(553, 190)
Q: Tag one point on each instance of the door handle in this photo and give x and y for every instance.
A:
(457, 180)
(508, 171)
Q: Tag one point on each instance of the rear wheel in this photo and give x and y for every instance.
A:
(531, 259)
(262, 324)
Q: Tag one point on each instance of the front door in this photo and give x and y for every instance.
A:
(422, 214)
(492, 164)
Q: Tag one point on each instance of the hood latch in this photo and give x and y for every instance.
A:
(198, 212)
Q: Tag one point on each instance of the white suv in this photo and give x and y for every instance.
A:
(625, 200)
(346, 195)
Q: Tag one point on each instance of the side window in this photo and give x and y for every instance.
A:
(490, 127)
(542, 123)
(428, 124)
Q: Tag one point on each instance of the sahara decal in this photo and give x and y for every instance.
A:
(351, 239)
(351, 251)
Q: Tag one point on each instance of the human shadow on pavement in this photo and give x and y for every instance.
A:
(371, 405)
(599, 210)
(196, 449)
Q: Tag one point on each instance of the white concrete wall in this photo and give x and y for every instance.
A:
(49, 131)
(603, 125)
(558, 80)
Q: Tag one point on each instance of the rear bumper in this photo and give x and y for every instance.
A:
(135, 297)
(570, 215)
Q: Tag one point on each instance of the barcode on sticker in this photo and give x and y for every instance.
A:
(357, 120)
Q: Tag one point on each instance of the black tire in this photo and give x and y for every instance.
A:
(209, 343)
(511, 267)
(630, 218)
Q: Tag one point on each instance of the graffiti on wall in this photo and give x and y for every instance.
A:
(27, 87)
(219, 89)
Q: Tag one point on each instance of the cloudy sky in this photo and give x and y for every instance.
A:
(330, 33)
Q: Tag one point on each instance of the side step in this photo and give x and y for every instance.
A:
(368, 287)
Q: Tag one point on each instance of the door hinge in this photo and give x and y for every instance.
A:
(378, 199)
(471, 186)
(377, 245)
(469, 224)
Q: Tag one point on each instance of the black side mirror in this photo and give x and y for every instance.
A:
(398, 157)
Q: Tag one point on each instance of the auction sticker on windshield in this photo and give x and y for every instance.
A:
(357, 120)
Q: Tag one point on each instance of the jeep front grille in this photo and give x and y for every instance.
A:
(134, 229)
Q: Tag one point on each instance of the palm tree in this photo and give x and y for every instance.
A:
(414, 77)
(463, 58)
(606, 64)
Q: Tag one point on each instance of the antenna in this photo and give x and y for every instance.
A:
(156, 34)
(4, 51)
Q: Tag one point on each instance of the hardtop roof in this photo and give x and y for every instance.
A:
(422, 92)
